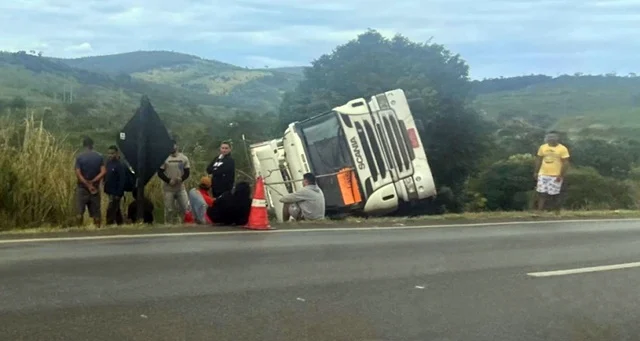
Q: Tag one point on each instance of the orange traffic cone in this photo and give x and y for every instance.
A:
(258, 219)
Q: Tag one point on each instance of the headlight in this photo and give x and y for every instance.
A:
(411, 186)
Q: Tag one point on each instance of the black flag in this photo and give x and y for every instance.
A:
(145, 142)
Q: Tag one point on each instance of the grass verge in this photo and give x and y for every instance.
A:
(436, 221)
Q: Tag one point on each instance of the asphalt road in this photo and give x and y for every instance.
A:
(448, 283)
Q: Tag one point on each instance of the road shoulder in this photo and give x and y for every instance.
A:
(469, 220)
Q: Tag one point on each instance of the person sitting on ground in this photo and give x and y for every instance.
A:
(305, 204)
(201, 200)
(232, 208)
(147, 215)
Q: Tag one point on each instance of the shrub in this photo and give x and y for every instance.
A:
(506, 185)
(608, 158)
(509, 185)
(635, 174)
(585, 188)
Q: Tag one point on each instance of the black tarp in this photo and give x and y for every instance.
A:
(145, 133)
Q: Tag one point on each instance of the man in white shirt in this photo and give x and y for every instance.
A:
(174, 172)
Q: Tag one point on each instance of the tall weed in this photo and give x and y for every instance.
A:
(37, 181)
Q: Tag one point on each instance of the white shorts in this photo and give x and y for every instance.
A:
(548, 185)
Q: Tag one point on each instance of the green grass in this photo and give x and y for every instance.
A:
(473, 217)
(435, 221)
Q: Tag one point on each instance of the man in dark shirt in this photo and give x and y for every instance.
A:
(222, 170)
(114, 186)
(90, 170)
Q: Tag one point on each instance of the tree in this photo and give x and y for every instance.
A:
(455, 135)
(608, 158)
(506, 184)
(586, 189)
(516, 137)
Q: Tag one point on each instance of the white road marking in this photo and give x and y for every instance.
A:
(419, 287)
(301, 299)
(584, 270)
(318, 229)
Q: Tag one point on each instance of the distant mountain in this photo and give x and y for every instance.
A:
(139, 61)
(230, 85)
(209, 86)
(175, 77)
(566, 102)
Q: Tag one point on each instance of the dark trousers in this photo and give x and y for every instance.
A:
(114, 211)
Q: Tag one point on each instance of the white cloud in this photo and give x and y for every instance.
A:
(130, 16)
(262, 61)
(494, 36)
(80, 48)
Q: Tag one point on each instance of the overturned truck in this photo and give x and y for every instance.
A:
(367, 156)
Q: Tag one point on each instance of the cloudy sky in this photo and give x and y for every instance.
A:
(496, 37)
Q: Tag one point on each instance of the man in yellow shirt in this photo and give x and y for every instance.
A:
(551, 166)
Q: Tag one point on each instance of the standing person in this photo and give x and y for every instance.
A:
(552, 164)
(174, 172)
(90, 170)
(222, 170)
(114, 184)
(305, 204)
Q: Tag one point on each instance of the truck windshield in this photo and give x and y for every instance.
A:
(326, 144)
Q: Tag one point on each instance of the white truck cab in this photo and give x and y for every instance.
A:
(367, 156)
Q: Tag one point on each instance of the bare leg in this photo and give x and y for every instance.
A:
(285, 213)
(95, 209)
(556, 204)
(542, 198)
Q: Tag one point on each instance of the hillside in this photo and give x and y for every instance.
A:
(174, 78)
(601, 104)
(606, 104)
(207, 81)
